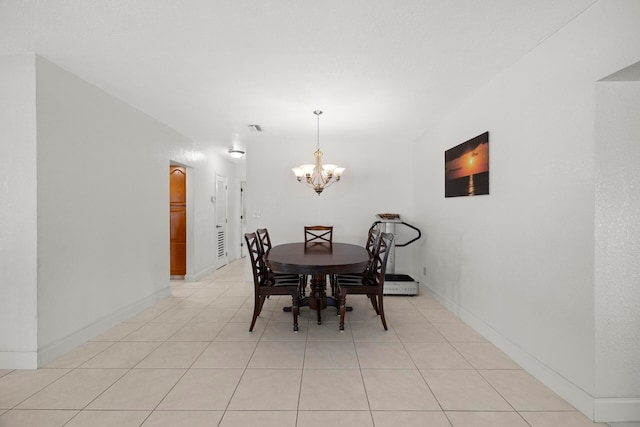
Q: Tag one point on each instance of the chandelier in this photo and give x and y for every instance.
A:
(318, 176)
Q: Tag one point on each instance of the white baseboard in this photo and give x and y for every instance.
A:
(56, 349)
(618, 410)
(574, 395)
(18, 359)
(199, 275)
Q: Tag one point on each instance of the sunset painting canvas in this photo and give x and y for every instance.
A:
(466, 168)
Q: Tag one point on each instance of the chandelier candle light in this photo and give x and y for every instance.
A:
(318, 176)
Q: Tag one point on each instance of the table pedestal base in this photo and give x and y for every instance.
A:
(318, 299)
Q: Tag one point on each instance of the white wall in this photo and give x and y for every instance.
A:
(376, 180)
(617, 236)
(102, 228)
(18, 220)
(518, 264)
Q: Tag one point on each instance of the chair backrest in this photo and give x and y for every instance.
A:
(263, 239)
(371, 246)
(258, 266)
(372, 240)
(318, 234)
(381, 254)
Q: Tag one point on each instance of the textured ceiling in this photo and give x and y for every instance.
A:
(379, 69)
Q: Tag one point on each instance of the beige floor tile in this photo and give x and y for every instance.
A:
(198, 332)
(240, 332)
(245, 314)
(215, 315)
(229, 301)
(278, 315)
(283, 331)
(147, 315)
(173, 355)
(439, 315)
(363, 312)
(256, 390)
(554, 419)
(425, 301)
(278, 354)
(196, 301)
(335, 389)
(167, 302)
(224, 354)
(484, 355)
(20, 384)
(464, 390)
(524, 392)
(138, 390)
(154, 332)
(330, 355)
(79, 355)
(183, 418)
(334, 419)
(403, 314)
(458, 332)
(177, 315)
(372, 332)
(203, 389)
(328, 331)
(122, 355)
(108, 419)
(398, 389)
(119, 331)
(410, 419)
(240, 290)
(183, 292)
(4, 372)
(417, 332)
(36, 418)
(75, 390)
(486, 419)
(436, 355)
(259, 418)
(383, 355)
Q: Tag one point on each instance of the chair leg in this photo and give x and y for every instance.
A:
(261, 303)
(295, 309)
(257, 307)
(342, 304)
(374, 303)
(381, 312)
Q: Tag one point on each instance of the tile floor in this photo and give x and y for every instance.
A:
(190, 361)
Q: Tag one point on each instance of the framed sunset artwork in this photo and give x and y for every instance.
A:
(466, 168)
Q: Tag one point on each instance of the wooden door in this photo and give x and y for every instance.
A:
(178, 221)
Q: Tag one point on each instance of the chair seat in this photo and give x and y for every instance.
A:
(276, 281)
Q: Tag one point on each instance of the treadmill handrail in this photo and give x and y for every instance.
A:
(408, 225)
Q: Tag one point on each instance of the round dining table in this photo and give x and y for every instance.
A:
(318, 260)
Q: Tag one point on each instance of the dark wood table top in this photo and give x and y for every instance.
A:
(319, 258)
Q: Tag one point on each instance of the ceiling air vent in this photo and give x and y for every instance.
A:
(255, 128)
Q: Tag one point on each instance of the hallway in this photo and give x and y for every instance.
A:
(190, 361)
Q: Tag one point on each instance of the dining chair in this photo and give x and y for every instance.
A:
(373, 286)
(264, 285)
(370, 244)
(317, 235)
(264, 240)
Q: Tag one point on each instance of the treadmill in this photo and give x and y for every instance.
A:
(394, 283)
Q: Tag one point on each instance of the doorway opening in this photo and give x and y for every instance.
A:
(178, 221)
